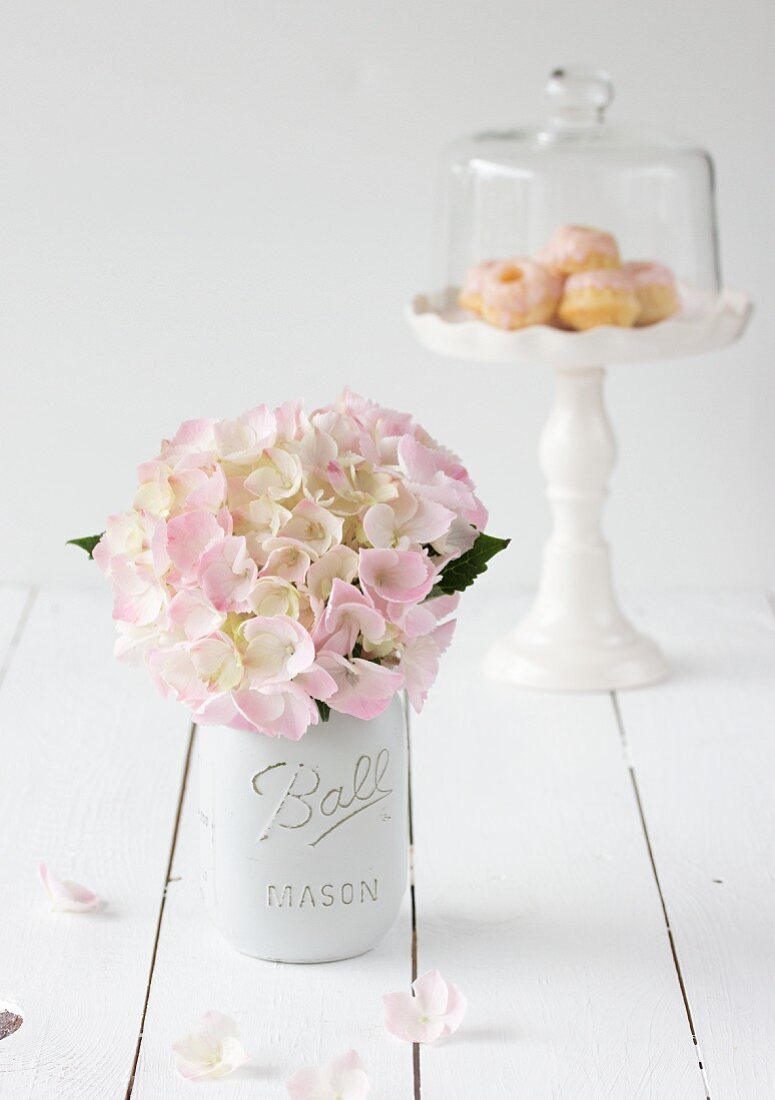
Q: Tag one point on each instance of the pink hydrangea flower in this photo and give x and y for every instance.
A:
(277, 649)
(363, 688)
(280, 710)
(274, 595)
(242, 442)
(189, 535)
(406, 521)
(139, 594)
(313, 528)
(277, 562)
(290, 562)
(339, 562)
(228, 574)
(277, 475)
(191, 611)
(433, 1010)
(397, 576)
(348, 614)
(420, 661)
(197, 671)
(436, 474)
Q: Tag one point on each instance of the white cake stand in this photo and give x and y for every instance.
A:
(575, 638)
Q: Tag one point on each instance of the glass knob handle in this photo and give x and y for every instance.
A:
(579, 95)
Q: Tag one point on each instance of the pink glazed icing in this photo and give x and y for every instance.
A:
(648, 272)
(576, 243)
(519, 285)
(602, 278)
(474, 281)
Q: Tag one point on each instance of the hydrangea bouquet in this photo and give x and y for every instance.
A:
(278, 566)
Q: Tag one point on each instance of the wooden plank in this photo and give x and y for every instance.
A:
(89, 782)
(703, 750)
(535, 894)
(289, 1016)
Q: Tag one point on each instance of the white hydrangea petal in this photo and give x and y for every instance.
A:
(212, 1050)
(68, 897)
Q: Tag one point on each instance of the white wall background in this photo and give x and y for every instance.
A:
(208, 205)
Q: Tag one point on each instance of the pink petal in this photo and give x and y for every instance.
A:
(189, 535)
(349, 613)
(348, 1077)
(212, 1050)
(259, 708)
(414, 620)
(430, 989)
(456, 1009)
(210, 493)
(228, 574)
(433, 1011)
(283, 710)
(316, 682)
(348, 1061)
(364, 688)
(400, 1013)
(299, 713)
(306, 1084)
(379, 523)
(401, 576)
(420, 662)
(430, 522)
(191, 611)
(342, 1079)
(243, 440)
(278, 648)
(441, 606)
(195, 433)
(138, 592)
(290, 562)
(402, 1019)
(338, 478)
(221, 711)
(68, 896)
(419, 462)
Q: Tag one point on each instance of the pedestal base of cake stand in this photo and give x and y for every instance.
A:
(546, 654)
(575, 638)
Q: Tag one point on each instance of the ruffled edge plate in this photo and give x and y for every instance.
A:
(705, 322)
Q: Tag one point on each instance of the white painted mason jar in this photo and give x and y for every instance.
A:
(304, 844)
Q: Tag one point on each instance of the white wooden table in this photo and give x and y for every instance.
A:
(596, 873)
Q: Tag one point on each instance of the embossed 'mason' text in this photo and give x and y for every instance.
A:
(345, 893)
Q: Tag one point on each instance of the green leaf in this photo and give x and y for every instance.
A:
(463, 571)
(87, 543)
(324, 709)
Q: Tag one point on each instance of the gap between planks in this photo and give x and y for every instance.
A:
(671, 939)
(162, 903)
(416, 1075)
(16, 637)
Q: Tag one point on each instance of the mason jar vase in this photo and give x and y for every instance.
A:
(304, 845)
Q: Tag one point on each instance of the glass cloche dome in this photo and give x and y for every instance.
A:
(507, 195)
